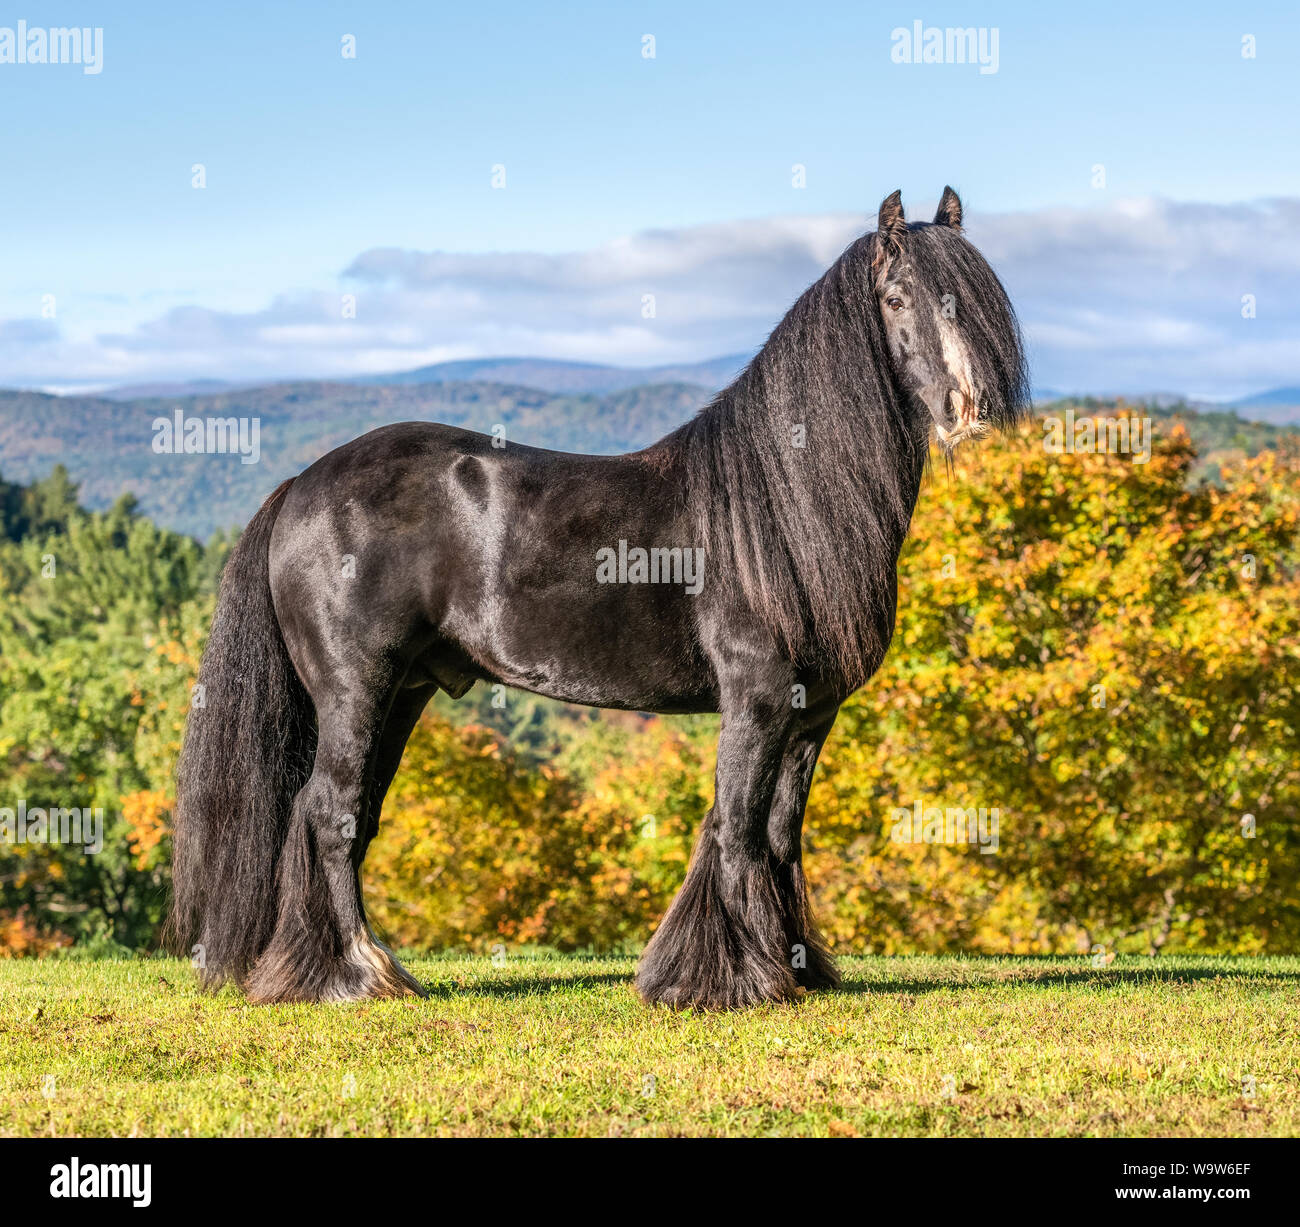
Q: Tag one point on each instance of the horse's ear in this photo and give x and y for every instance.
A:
(949, 212)
(891, 227)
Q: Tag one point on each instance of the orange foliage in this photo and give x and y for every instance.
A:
(147, 816)
(20, 937)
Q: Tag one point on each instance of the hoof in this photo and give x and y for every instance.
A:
(719, 988)
(820, 971)
(722, 945)
(367, 971)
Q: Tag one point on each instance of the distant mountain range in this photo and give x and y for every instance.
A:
(1275, 396)
(194, 387)
(106, 440)
(570, 378)
(544, 374)
(1278, 405)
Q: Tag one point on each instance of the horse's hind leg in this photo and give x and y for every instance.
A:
(812, 962)
(322, 948)
(407, 707)
(723, 942)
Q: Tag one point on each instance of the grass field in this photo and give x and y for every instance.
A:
(561, 1046)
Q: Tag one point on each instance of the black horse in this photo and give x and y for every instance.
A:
(745, 564)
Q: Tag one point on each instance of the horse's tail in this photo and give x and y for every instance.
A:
(247, 751)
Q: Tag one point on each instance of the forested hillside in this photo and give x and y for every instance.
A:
(107, 444)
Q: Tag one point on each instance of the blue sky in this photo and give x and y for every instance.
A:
(313, 161)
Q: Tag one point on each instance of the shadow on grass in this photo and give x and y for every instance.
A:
(1059, 977)
(524, 984)
(521, 985)
(529, 977)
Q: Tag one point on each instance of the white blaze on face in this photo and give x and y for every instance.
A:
(956, 357)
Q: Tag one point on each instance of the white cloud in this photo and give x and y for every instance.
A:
(1135, 295)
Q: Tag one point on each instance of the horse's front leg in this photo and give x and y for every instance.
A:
(812, 962)
(723, 942)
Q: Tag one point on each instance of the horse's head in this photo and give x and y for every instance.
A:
(950, 328)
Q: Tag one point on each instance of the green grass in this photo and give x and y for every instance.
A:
(561, 1046)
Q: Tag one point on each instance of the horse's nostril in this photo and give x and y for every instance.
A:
(963, 406)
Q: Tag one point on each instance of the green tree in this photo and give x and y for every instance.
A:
(82, 606)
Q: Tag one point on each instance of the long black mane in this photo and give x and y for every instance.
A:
(805, 470)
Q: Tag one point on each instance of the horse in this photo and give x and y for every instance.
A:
(745, 565)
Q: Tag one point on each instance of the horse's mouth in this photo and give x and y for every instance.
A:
(948, 439)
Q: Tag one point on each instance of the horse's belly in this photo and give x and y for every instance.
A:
(638, 659)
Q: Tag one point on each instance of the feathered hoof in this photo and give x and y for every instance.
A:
(732, 988)
(367, 971)
(722, 945)
(812, 964)
(818, 975)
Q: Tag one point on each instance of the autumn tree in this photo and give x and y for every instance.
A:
(1108, 656)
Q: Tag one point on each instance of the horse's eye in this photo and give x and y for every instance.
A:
(894, 304)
